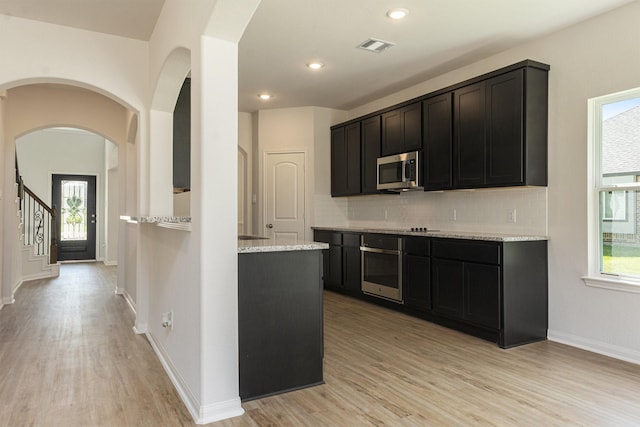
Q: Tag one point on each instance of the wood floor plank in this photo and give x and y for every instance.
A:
(68, 357)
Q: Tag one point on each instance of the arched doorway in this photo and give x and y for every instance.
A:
(87, 217)
(35, 107)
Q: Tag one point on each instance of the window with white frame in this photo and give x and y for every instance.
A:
(614, 246)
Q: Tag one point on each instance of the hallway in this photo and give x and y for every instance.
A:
(69, 357)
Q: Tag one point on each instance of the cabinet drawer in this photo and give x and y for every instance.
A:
(330, 237)
(351, 240)
(382, 241)
(467, 250)
(416, 246)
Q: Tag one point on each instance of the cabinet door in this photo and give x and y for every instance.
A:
(345, 160)
(351, 268)
(437, 142)
(447, 280)
(505, 129)
(333, 272)
(402, 129)
(417, 292)
(482, 297)
(411, 127)
(352, 162)
(338, 162)
(469, 136)
(391, 133)
(370, 153)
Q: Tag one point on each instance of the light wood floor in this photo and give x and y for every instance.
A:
(68, 357)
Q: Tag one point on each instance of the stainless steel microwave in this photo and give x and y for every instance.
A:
(400, 172)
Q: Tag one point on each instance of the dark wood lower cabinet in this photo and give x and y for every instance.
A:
(341, 261)
(448, 287)
(493, 290)
(417, 282)
(481, 294)
(351, 268)
(467, 291)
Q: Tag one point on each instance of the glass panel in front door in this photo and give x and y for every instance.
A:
(73, 223)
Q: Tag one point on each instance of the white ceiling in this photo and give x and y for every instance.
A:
(134, 19)
(436, 37)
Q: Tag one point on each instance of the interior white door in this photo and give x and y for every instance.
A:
(284, 199)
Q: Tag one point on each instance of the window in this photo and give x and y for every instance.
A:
(614, 220)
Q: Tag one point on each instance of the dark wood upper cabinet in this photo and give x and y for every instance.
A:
(489, 131)
(437, 142)
(500, 130)
(402, 129)
(182, 138)
(345, 160)
(505, 139)
(470, 136)
(370, 153)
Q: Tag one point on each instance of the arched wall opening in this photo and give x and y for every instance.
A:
(29, 110)
(44, 153)
(162, 201)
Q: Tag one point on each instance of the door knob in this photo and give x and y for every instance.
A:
(269, 225)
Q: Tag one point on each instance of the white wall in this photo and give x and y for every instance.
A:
(593, 58)
(304, 129)
(36, 52)
(198, 279)
(112, 205)
(57, 151)
(4, 245)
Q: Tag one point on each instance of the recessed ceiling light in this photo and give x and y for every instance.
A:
(397, 13)
(315, 65)
(264, 96)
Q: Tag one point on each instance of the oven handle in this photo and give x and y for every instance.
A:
(379, 251)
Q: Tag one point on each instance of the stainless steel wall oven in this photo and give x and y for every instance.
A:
(382, 266)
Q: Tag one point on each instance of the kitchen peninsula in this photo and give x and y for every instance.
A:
(280, 329)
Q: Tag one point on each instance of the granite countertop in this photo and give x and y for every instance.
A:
(174, 222)
(272, 245)
(445, 234)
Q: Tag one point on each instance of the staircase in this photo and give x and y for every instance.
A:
(37, 234)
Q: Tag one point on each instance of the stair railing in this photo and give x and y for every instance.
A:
(38, 222)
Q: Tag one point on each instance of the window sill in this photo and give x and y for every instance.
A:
(612, 283)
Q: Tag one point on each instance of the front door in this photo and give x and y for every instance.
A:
(285, 196)
(75, 199)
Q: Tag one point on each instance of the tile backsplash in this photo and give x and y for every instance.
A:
(508, 210)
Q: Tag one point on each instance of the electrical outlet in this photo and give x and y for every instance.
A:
(167, 320)
(511, 215)
(454, 215)
(386, 214)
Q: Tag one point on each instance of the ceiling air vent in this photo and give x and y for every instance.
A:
(375, 45)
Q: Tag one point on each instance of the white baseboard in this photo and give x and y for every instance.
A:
(127, 298)
(610, 350)
(220, 411)
(54, 272)
(200, 414)
(11, 299)
(140, 328)
(110, 263)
